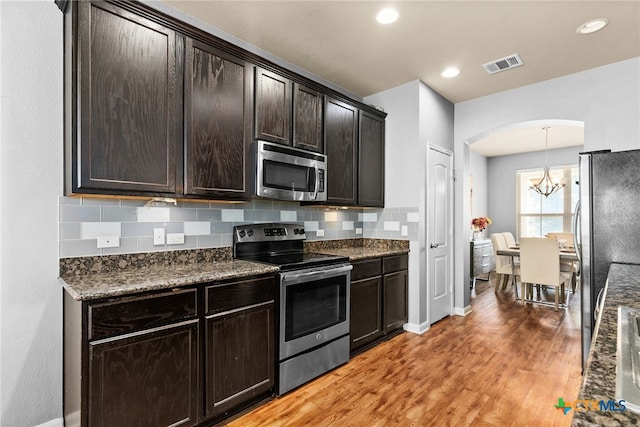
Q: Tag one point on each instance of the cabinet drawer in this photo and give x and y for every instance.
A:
(395, 263)
(228, 296)
(366, 268)
(118, 316)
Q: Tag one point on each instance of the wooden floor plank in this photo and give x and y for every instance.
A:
(502, 365)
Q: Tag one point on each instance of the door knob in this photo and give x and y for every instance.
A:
(434, 245)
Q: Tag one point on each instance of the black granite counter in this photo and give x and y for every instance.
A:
(357, 249)
(96, 277)
(623, 289)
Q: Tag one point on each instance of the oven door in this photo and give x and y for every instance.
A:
(286, 173)
(314, 307)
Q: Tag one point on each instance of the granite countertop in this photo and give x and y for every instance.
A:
(358, 253)
(623, 289)
(357, 249)
(150, 278)
(97, 277)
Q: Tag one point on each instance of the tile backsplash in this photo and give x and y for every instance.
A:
(210, 224)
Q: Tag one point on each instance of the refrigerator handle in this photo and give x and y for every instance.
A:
(576, 223)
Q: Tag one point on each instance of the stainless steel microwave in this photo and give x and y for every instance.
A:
(286, 173)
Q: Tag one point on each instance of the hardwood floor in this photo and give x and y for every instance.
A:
(502, 365)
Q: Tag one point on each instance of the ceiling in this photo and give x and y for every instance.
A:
(340, 41)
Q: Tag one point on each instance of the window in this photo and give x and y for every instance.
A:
(539, 215)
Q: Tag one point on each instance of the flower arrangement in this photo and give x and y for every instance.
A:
(480, 223)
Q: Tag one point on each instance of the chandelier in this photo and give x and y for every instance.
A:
(546, 186)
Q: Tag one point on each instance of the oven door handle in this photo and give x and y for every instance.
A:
(319, 274)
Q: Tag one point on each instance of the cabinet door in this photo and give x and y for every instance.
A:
(366, 312)
(307, 118)
(273, 107)
(371, 163)
(395, 300)
(340, 133)
(125, 142)
(218, 112)
(239, 357)
(145, 379)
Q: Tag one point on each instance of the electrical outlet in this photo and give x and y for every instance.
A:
(175, 238)
(158, 236)
(319, 233)
(405, 230)
(108, 241)
(358, 230)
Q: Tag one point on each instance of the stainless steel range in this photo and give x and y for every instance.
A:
(314, 300)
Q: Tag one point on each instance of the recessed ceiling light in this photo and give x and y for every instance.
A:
(387, 16)
(450, 72)
(592, 26)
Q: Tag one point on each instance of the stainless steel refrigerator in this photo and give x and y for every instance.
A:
(608, 219)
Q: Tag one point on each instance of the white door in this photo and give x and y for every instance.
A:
(439, 232)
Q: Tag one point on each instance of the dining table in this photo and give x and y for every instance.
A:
(566, 254)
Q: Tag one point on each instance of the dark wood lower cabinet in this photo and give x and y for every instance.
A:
(148, 379)
(239, 345)
(378, 300)
(184, 357)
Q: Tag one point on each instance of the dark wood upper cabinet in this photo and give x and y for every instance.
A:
(371, 161)
(124, 125)
(341, 148)
(156, 107)
(307, 118)
(272, 107)
(218, 117)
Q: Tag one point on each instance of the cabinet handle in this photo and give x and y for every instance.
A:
(434, 245)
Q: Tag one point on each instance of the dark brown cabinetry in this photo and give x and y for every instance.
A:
(125, 121)
(371, 160)
(378, 299)
(273, 107)
(142, 360)
(239, 344)
(307, 118)
(183, 357)
(156, 107)
(218, 109)
(287, 113)
(394, 284)
(341, 148)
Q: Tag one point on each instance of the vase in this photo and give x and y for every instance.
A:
(478, 235)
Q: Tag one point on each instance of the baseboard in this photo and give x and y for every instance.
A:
(416, 329)
(462, 311)
(58, 422)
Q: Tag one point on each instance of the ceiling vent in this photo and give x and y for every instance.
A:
(502, 64)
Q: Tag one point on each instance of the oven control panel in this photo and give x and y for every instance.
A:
(268, 232)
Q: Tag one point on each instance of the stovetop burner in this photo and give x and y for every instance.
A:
(278, 244)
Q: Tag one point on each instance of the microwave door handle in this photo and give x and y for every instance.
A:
(317, 186)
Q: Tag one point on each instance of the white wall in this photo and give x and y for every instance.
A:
(31, 174)
(606, 99)
(416, 116)
(478, 179)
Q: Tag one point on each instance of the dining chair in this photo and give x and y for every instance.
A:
(511, 241)
(570, 267)
(540, 265)
(504, 269)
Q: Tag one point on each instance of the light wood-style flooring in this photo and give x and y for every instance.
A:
(502, 365)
